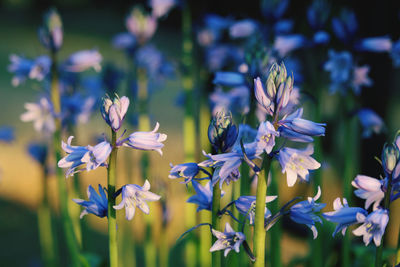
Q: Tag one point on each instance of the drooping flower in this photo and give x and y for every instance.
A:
(345, 26)
(284, 44)
(266, 136)
(7, 134)
(113, 111)
(296, 163)
(97, 203)
(77, 156)
(303, 212)
(370, 189)
(229, 78)
(370, 121)
(343, 215)
(246, 205)
(227, 240)
(375, 44)
(136, 196)
(242, 29)
(24, 68)
(188, 171)
(83, 60)
(203, 197)
(147, 140)
(373, 226)
(41, 114)
(51, 33)
(38, 152)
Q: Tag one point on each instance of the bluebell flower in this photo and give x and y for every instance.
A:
(222, 132)
(375, 44)
(114, 111)
(390, 159)
(246, 203)
(77, 156)
(141, 25)
(214, 27)
(246, 133)
(136, 196)
(24, 68)
(266, 136)
(395, 53)
(321, 37)
(153, 61)
(227, 178)
(242, 28)
(303, 212)
(7, 134)
(188, 171)
(219, 56)
(274, 10)
(283, 26)
(227, 240)
(284, 44)
(203, 196)
(51, 33)
(318, 14)
(38, 152)
(97, 203)
(370, 189)
(124, 41)
(147, 140)
(296, 163)
(340, 66)
(83, 60)
(76, 108)
(41, 114)
(160, 8)
(360, 78)
(370, 121)
(228, 78)
(373, 226)
(343, 215)
(345, 26)
(236, 100)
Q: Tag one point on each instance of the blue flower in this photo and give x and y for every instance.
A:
(284, 44)
(147, 140)
(343, 215)
(83, 60)
(222, 132)
(321, 37)
(227, 240)
(136, 196)
(375, 44)
(203, 196)
(303, 212)
(153, 61)
(188, 171)
(38, 152)
(242, 28)
(124, 41)
(113, 111)
(370, 121)
(296, 163)
(97, 203)
(77, 156)
(274, 10)
(76, 108)
(360, 78)
(51, 33)
(345, 26)
(373, 226)
(395, 53)
(7, 134)
(237, 100)
(24, 68)
(340, 66)
(41, 114)
(266, 136)
(228, 78)
(246, 205)
(318, 14)
(283, 26)
(370, 189)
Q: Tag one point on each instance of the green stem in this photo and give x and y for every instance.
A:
(259, 231)
(398, 250)
(276, 231)
(112, 222)
(245, 183)
(70, 238)
(216, 222)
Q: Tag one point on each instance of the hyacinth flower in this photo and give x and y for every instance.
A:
(42, 116)
(375, 44)
(188, 171)
(203, 197)
(227, 240)
(136, 196)
(370, 189)
(97, 203)
(284, 44)
(370, 121)
(51, 33)
(24, 68)
(228, 78)
(237, 100)
(113, 111)
(343, 215)
(246, 206)
(266, 137)
(83, 60)
(242, 29)
(345, 26)
(373, 226)
(222, 133)
(304, 212)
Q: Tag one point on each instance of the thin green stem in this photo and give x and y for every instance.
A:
(70, 238)
(112, 222)
(398, 250)
(276, 231)
(259, 231)
(216, 222)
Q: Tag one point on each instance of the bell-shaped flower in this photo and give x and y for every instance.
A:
(370, 189)
(83, 60)
(114, 111)
(227, 240)
(188, 171)
(340, 67)
(345, 26)
(141, 25)
(7, 134)
(246, 205)
(370, 122)
(124, 41)
(92, 156)
(51, 33)
(228, 78)
(236, 100)
(343, 215)
(375, 44)
(41, 114)
(227, 179)
(97, 203)
(296, 163)
(160, 8)
(24, 68)
(304, 212)
(284, 44)
(136, 196)
(147, 140)
(266, 136)
(203, 196)
(242, 29)
(360, 78)
(373, 226)
(38, 152)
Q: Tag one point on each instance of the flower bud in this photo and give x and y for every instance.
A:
(141, 25)
(113, 111)
(51, 33)
(222, 133)
(390, 156)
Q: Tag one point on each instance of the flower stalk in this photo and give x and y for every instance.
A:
(112, 223)
(216, 223)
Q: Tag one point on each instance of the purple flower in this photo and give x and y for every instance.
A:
(246, 205)
(51, 33)
(203, 196)
(375, 44)
(227, 240)
(340, 66)
(97, 203)
(373, 226)
(321, 37)
(124, 40)
(229, 78)
(141, 25)
(345, 26)
(242, 29)
(83, 60)
(370, 189)
(160, 8)
(296, 163)
(360, 78)
(147, 140)
(136, 196)
(370, 121)
(343, 215)
(264, 98)
(303, 212)
(266, 136)
(24, 68)
(41, 114)
(284, 44)
(77, 156)
(113, 111)
(188, 171)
